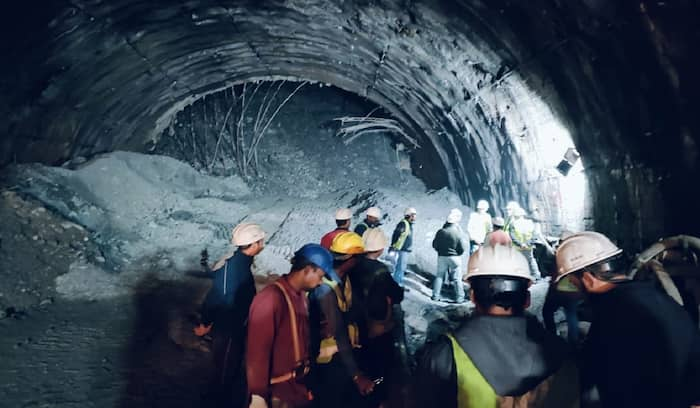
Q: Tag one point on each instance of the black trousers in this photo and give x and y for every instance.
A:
(228, 388)
(376, 359)
(333, 387)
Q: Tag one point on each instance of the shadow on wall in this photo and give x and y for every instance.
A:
(165, 363)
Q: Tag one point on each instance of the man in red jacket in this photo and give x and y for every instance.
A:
(498, 236)
(342, 222)
(277, 357)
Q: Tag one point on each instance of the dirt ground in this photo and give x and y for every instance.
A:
(108, 353)
(130, 351)
(36, 246)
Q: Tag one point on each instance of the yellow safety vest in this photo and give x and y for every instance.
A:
(404, 235)
(329, 346)
(473, 391)
(523, 231)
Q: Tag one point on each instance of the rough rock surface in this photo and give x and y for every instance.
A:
(478, 83)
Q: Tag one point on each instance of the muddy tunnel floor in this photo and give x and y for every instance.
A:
(129, 351)
(120, 352)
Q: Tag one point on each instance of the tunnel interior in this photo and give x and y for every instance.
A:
(135, 134)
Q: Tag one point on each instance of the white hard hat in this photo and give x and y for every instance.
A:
(410, 211)
(246, 233)
(498, 260)
(374, 212)
(482, 205)
(374, 240)
(499, 222)
(454, 216)
(343, 214)
(512, 205)
(581, 250)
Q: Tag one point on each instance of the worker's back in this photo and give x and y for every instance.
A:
(643, 349)
(498, 361)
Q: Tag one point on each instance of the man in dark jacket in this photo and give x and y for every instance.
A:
(449, 245)
(225, 313)
(402, 243)
(500, 357)
(377, 296)
(371, 221)
(642, 349)
(333, 317)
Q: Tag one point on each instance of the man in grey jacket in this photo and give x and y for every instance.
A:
(449, 245)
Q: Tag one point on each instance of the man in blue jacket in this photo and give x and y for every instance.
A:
(225, 312)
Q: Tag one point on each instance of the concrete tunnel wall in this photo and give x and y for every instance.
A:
(94, 76)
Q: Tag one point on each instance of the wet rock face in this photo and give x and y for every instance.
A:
(462, 77)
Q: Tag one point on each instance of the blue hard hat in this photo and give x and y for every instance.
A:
(317, 255)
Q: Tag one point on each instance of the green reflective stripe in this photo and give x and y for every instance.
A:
(404, 235)
(508, 225)
(473, 391)
(565, 285)
(522, 237)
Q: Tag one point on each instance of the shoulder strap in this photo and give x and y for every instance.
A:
(293, 322)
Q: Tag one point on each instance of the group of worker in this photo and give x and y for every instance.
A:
(642, 349)
(323, 334)
(449, 242)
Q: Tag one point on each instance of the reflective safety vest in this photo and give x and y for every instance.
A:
(523, 231)
(329, 346)
(473, 391)
(404, 235)
(478, 226)
(565, 285)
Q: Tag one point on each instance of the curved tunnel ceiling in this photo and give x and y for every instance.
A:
(469, 79)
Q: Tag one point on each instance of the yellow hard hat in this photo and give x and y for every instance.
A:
(347, 243)
(581, 250)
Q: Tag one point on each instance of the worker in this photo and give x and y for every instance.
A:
(379, 296)
(450, 247)
(479, 225)
(337, 379)
(510, 210)
(342, 222)
(277, 357)
(642, 349)
(372, 217)
(499, 357)
(402, 243)
(498, 236)
(562, 294)
(225, 311)
(522, 233)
